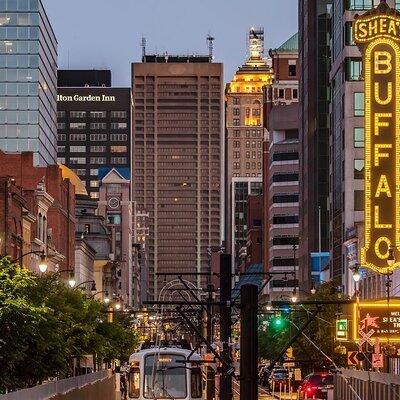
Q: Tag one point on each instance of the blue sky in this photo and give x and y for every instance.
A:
(107, 33)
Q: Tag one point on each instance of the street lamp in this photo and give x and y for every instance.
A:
(71, 280)
(313, 289)
(42, 262)
(356, 273)
(106, 298)
(93, 287)
(294, 296)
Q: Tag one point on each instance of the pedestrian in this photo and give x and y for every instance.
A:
(123, 386)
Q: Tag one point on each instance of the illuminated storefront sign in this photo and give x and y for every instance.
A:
(89, 97)
(378, 36)
(380, 318)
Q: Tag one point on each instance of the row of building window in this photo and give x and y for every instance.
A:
(95, 137)
(248, 144)
(253, 154)
(94, 160)
(93, 125)
(93, 149)
(254, 133)
(93, 114)
(252, 165)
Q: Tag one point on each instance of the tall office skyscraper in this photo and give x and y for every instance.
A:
(314, 60)
(28, 80)
(244, 137)
(177, 154)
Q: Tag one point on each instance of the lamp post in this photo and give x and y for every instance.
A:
(42, 262)
(93, 287)
(71, 277)
(106, 298)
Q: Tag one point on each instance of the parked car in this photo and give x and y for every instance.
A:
(315, 386)
(279, 378)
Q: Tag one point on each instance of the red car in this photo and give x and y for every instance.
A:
(316, 386)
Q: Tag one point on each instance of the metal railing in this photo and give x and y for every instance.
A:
(366, 385)
(50, 389)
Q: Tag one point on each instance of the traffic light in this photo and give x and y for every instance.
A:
(278, 322)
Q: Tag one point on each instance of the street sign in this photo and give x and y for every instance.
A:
(377, 346)
(289, 352)
(289, 364)
(342, 329)
(354, 357)
(377, 360)
(366, 337)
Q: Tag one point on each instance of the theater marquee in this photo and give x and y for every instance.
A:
(378, 36)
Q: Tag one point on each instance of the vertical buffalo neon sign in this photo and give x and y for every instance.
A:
(377, 34)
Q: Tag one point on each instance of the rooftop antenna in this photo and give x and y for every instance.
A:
(143, 44)
(210, 41)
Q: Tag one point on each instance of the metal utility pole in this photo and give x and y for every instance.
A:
(225, 322)
(210, 370)
(248, 342)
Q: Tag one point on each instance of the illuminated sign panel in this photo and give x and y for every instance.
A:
(377, 34)
(90, 97)
(380, 318)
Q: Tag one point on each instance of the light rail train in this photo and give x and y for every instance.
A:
(165, 372)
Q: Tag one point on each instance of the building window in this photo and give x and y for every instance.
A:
(281, 93)
(98, 149)
(236, 165)
(61, 149)
(61, 137)
(80, 172)
(236, 100)
(77, 149)
(359, 200)
(292, 70)
(61, 160)
(95, 137)
(247, 165)
(247, 143)
(286, 156)
(358, 169)
(358, 137)
(77, 160)
(94, 172)
(98, 114)
(353, 69)
(236, 143)
(97, 160)
(236, 111)
(118, 160)
(61, 125)
(94, 195)
(247, 154)
(349, 40)
(60, 114)
(98, 125)
(361, 4)
(77, 137)
(359, 104)
(119, 137)
(236, 122)
(77, 114)
(94, 184)
(77, 125)
(236, 154)
(295, 94)
(236, 133)
(119, 149)
(114, 219)
(118, 114)
(119, 125)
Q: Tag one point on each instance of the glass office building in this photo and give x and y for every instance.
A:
(28, 80)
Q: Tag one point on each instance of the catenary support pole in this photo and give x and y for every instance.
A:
(248, 342)
(225, 322)
(210, 370)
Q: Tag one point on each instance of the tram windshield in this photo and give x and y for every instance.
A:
(165, 377)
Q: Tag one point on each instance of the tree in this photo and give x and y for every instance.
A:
(321, 331)
(44, 325)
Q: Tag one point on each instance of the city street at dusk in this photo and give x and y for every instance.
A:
(199, 200)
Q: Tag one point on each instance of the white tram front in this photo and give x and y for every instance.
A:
(165, 373)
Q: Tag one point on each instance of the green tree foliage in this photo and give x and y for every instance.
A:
(44, 325)
(273, 338)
